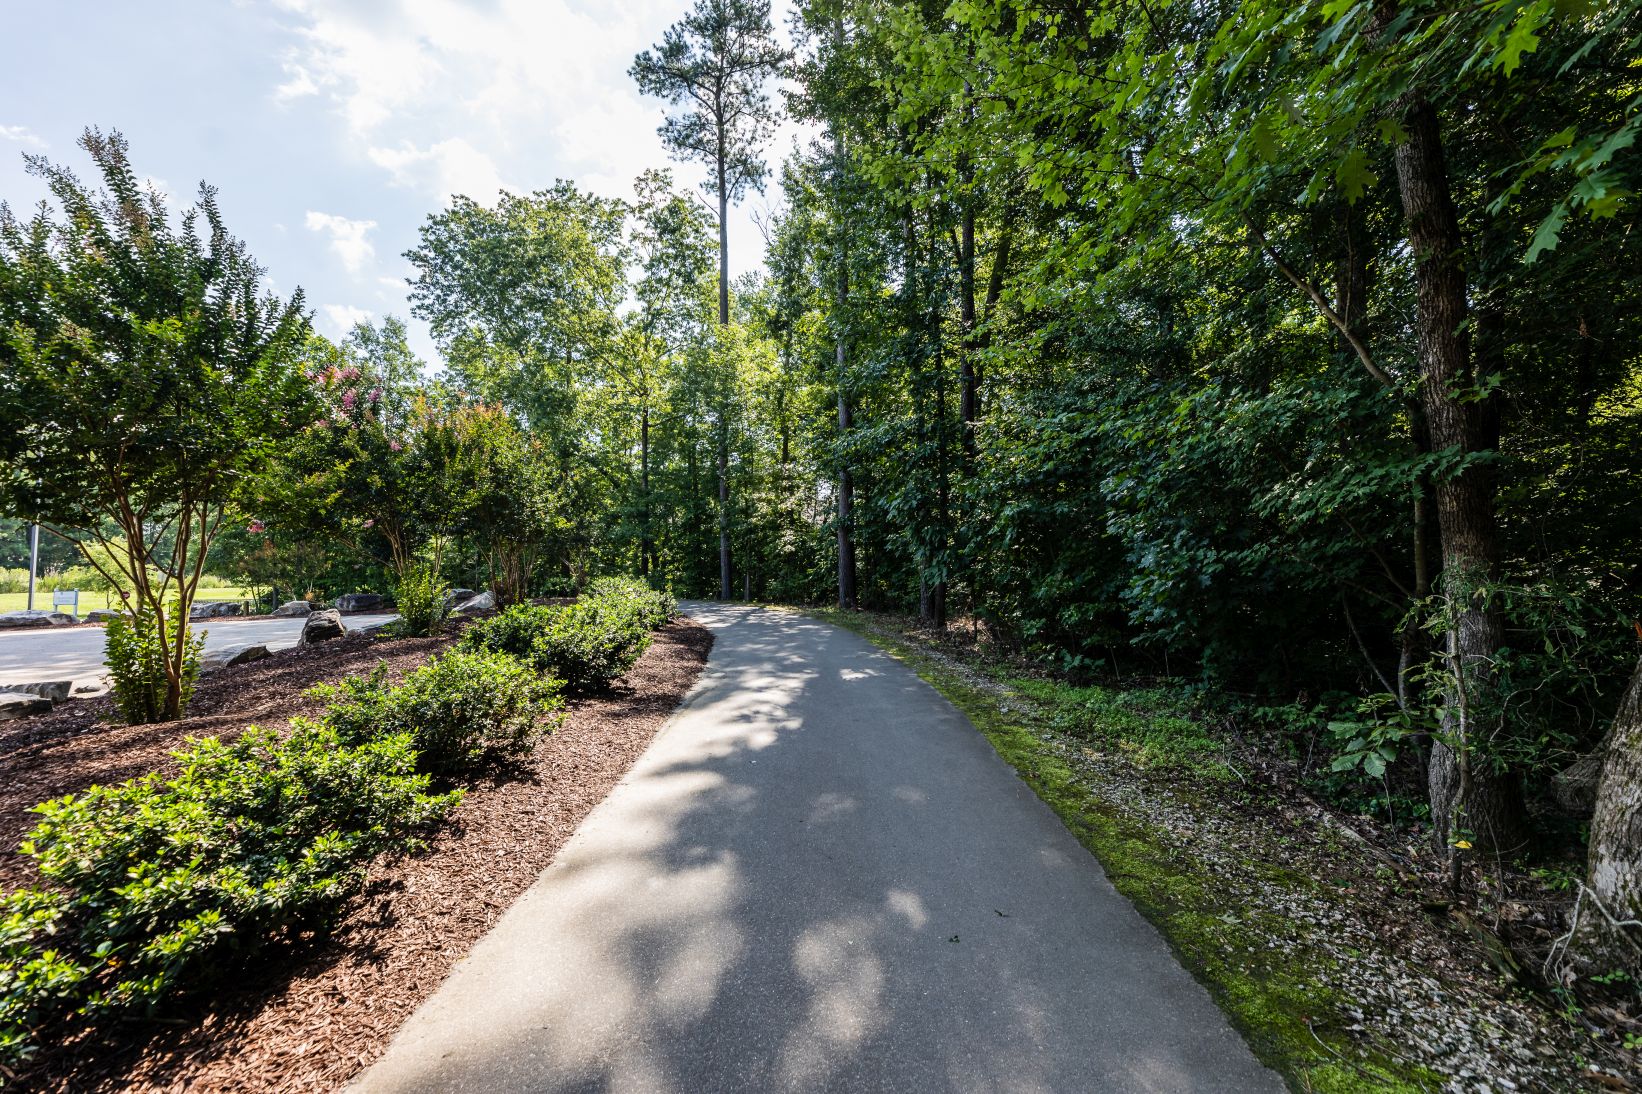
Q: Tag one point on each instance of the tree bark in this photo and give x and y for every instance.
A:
(1468, 799)
(969, 388)
(646, 544)
(724, 432)
(1614, 866)
(846, 487)
(724, 512)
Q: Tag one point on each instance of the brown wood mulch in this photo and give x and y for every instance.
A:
(313, 1018)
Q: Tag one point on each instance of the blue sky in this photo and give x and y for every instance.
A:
(332, 128)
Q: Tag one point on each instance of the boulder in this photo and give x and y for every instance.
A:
(358, 602)
(322, 626)
(457, 596)
(55, 690)
(213, 609)
(22, 704)
(291, 609)
(37, 617)
(484, 602)
(103, 615)
(231, 655)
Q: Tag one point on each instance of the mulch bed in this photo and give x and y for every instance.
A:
(313, 1018)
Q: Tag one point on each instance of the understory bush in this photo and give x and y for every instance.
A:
(652, 606)
(590, 643)
(148, 884)
(512, 631)
(136, 661)
(586, 644)
(420, 598)
(460, 711)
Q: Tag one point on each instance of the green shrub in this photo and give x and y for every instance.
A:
(420, 598)
(136, 661)
(149, 884)
(461, 710)
(653, 607)
(512, 631)
(588, 644)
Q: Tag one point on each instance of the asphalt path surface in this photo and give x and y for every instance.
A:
(819, 877)
(76, 653)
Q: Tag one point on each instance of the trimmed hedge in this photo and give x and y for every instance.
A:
(461, 711)
(149, 883)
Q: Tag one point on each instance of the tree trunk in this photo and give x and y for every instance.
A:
(846, 486)
(969, 388)
(1468, 799)
(646, 544)
(723, 247)
(724, 512)
(1614, 871)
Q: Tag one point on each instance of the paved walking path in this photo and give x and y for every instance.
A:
(820, 877)
(76, 653)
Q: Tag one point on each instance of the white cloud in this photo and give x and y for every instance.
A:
(340, 318)
(452, 97)
(300, 85)
(22, 134)
(348, 240)
(449, 167)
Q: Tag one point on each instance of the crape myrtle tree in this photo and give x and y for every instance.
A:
(714, 64)
(145, 377)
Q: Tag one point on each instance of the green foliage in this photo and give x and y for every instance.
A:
(137, 650)
(460, 711)
(1371, 741)
(1157, 727)
(150, 884)
(512, 631)
(420, 599)
(651, 607)
(586, 644)
(147, 376)
(590, 643)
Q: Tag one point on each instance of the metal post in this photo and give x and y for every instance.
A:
(34, 560)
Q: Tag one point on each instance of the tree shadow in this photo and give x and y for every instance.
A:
(819, 877)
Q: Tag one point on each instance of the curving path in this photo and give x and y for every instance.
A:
(819, 877)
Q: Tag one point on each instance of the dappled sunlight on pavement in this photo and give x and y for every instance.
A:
(819, 877)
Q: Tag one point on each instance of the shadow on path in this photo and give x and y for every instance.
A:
(819, 877)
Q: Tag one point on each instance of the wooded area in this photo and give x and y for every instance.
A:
(1288, 351)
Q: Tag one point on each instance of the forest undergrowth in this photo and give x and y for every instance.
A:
(1336, 940)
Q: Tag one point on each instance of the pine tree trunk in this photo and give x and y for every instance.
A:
(1467, 798)
(724, 513)
(724, 435)
(1614, 871)
(646, 544)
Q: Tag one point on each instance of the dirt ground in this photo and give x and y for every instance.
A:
(310, 1019)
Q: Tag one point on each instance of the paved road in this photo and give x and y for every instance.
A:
(819, 877)
(75, 653)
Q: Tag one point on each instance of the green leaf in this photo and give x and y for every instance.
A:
(1354, 175)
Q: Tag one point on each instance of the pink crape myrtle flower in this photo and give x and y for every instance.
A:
(256, 526)
(370, 521)
(395, 446)
(349, 397)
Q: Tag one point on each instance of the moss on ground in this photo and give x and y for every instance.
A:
(1275, 995)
